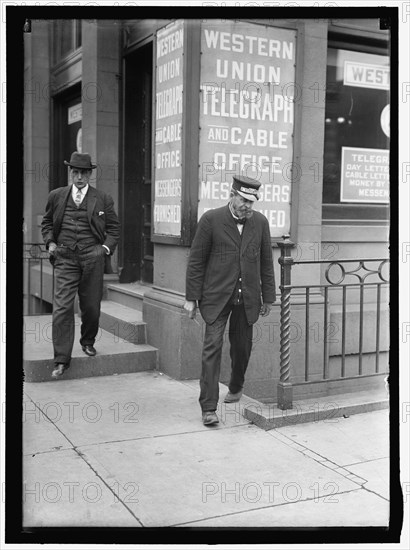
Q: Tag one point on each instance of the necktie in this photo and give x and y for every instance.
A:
(77, 198)
(241, 221)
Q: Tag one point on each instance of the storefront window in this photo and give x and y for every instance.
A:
(357, 137)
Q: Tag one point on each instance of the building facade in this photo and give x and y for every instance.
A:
(170, 110)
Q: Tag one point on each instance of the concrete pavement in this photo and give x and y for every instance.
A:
(131, 450)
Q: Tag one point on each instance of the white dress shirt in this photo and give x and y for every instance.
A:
(83, 192)
(238, 225)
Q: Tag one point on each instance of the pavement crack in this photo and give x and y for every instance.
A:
(374, 493)
(81, 455)
(325, 462)
(52, 422)
(116, 496)
(366, 461)
(158, 436)
(315, 499)
(47, 451)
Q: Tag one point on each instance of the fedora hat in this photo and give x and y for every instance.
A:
(80, 160)
(246, 187)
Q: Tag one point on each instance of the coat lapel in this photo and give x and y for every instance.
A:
(230, 228)
(248, 233)
(91, 200)
(60, 209)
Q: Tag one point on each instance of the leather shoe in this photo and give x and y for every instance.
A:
(89, 350)
(59, 370)
(233, 397)
(209, 418)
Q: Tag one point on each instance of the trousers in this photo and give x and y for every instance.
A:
(240, 339)
(75, 271)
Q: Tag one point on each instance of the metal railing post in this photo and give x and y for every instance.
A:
(285, 389)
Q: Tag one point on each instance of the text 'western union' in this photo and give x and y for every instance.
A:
(170, 43)
(366, 75)
(169, 102)
(253, 45)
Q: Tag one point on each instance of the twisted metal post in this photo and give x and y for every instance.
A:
(285, 389)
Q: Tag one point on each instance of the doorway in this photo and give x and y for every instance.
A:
(67, 138)
(137, 251)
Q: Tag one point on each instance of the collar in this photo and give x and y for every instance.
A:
(83, 190)
(233, 215)
(237, 220)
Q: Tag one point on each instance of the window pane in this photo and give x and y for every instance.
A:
(77, 23)
(66, 37)
(357, 129)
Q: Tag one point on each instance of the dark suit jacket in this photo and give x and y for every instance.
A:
(105, 227)
(218, 254)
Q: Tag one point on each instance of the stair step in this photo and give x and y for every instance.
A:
(123, 322)
(127, 294)
(114, 355)
(319, 409)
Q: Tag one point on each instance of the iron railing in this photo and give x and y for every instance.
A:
(36, 257)
(361, 273)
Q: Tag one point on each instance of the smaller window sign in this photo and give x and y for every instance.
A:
(366, 75)
(75, 113)
(364, 175)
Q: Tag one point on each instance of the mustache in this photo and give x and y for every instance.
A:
(248, 214)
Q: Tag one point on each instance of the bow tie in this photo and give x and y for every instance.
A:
(241, 221)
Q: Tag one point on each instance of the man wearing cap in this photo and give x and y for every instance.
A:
(80, 229)
(229, 274)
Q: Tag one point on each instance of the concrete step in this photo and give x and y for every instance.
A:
(123, 322)
(127, 294)
(114, 355)
(319, 409)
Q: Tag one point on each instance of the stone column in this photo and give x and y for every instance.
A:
(100, 102)
(36, 127)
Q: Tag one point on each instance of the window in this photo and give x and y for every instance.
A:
(67, 37)
(357, 138)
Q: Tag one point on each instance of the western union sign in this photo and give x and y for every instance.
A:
(365, 75)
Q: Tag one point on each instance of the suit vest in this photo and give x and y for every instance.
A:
(75, 228)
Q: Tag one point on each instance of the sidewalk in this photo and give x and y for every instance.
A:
(130, 450)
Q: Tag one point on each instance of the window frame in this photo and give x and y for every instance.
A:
(76, 40)
(360, 214)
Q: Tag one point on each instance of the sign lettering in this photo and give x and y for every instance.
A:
(246, 115)
(168, 120)
(364, 175)
(366, 75)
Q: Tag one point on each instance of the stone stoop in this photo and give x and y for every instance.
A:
(121, 312)
(115, 355)
(123, 322)
(127, 294)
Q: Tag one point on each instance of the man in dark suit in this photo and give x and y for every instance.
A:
(80, 229)
(229, 274)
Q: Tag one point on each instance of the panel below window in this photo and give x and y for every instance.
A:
(356, 214)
